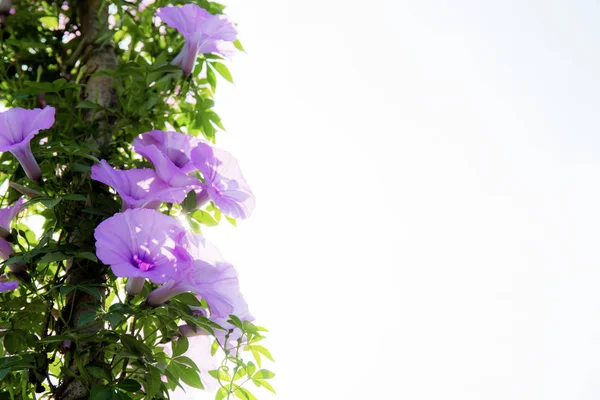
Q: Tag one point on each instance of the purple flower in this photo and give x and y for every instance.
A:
(17, 127)
(135, 244)
(169, 152)
(203, 33)
(7, 215)
(224, 183)
(215, 281)
(7, 285)
(138, 188)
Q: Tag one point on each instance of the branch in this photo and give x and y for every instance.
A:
(93, 20)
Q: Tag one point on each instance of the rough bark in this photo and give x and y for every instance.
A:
(100, 55)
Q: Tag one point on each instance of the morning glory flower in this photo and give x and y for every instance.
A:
(203, 33)
(135, 244)
(7, 215)
(138, 188)
(17, 127)
(6, 284)
(214, 281)
(217, 284)
(169, 152)
(224, 183)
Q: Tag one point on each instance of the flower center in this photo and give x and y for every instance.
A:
(141, 264)
(178, 157)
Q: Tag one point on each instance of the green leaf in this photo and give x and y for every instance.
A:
(49, 21)
(188, 375)
(129, 385)
(222, 70)
(99, 372)
(235, 321)
(263, 351)
(189, 203)
(217, 215)
(101, 392)
(167, 68)
(212, 79)
(14, 342)
(238, 45)
(77, 167)
(153, 382)
(221, 394)
(263, 374)
(232, 221)
(40, 86)
(244, 394)
(88, 104)
(266, 385)
(87, 317)
(91, 290)
(113, 319)
(54, 257)
(137, 347)
(186, 361)
(214, 347)
(87, 255)
(220, 375)
(55, 338)
(204, 218)
(250, 368)
(188, 298)
(75, 197)
(58, 84)
(240, 373)
(180, 346)
(50, 203)
(255, 354)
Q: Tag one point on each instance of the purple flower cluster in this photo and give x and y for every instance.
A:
(142, 244)
(177, 159)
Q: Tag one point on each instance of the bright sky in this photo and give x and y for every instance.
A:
(426, 179)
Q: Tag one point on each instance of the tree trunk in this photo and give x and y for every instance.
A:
(93, 20)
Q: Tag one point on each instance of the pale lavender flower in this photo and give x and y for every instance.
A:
(17, 127)
(138, 188)
(203, 33)
(135, 244)
(224, 183)
(204, 274)
(169, 152)
(7, 215)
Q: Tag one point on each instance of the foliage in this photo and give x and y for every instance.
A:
(116, 346)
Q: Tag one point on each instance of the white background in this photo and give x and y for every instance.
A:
(426, 175)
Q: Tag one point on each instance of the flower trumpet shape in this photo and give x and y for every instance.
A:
(17, 127)
(136, 243)
(138, 188)
(203, 33)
